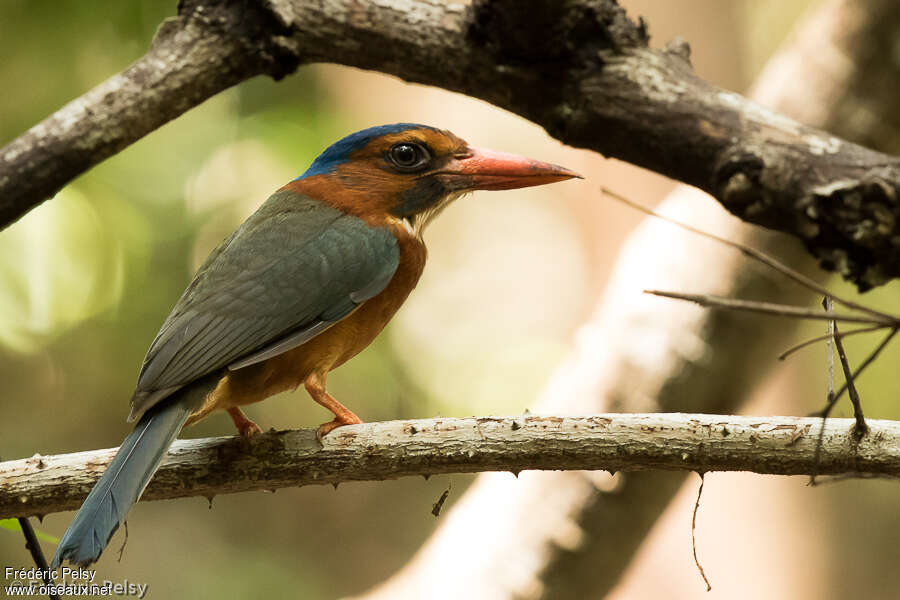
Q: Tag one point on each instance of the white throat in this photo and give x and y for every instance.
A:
(419, 221)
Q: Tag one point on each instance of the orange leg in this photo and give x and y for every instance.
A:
(245, 426)
(315, 385)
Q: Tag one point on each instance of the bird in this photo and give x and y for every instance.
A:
(301, 287)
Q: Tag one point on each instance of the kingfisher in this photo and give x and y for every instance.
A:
(301, 287)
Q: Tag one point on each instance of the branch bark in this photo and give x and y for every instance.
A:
(376, 451)
(602, 88)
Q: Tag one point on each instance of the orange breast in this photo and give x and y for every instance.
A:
(329, 349)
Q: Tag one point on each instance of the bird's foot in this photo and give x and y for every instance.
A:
(245, 426)
(315, 385)
(345, 418)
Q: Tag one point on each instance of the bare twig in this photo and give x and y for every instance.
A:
(694, 532)
(34, 547)
(828, 304)
(861, 428)
(761, 257)
(777, 310)
(827, 338)
(869, 359)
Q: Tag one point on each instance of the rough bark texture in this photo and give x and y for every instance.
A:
(600, 86)
(377, 451)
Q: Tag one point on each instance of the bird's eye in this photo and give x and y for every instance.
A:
(407, 156)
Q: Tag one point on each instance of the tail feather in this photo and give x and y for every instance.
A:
(125, 478)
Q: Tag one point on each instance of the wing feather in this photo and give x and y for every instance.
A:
(293, 269)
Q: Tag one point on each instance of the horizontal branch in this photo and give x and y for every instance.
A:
(376, 451)
(601, 88)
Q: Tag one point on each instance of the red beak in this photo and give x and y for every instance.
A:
(486, 169)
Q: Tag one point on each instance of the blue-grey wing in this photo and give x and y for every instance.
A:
(293, 269)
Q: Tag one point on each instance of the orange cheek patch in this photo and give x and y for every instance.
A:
(360, 189)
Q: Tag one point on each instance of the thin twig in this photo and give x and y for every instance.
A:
(693, 532)
(125, 541)
(878, 319)
(31, 542)
(827, 410)
(762, 258)
(828, 305)
(827, 338)
(861, 428)
(770, 308)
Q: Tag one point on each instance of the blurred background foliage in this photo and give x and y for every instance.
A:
(86, 280)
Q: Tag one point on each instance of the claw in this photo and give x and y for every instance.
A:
(325, 428)
(245, 426)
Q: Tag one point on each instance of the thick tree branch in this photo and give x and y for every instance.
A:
(377, 451)
(600, 86)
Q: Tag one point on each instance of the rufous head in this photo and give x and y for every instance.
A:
(412, 171)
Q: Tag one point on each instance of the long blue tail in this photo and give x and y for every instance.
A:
(128, 474)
